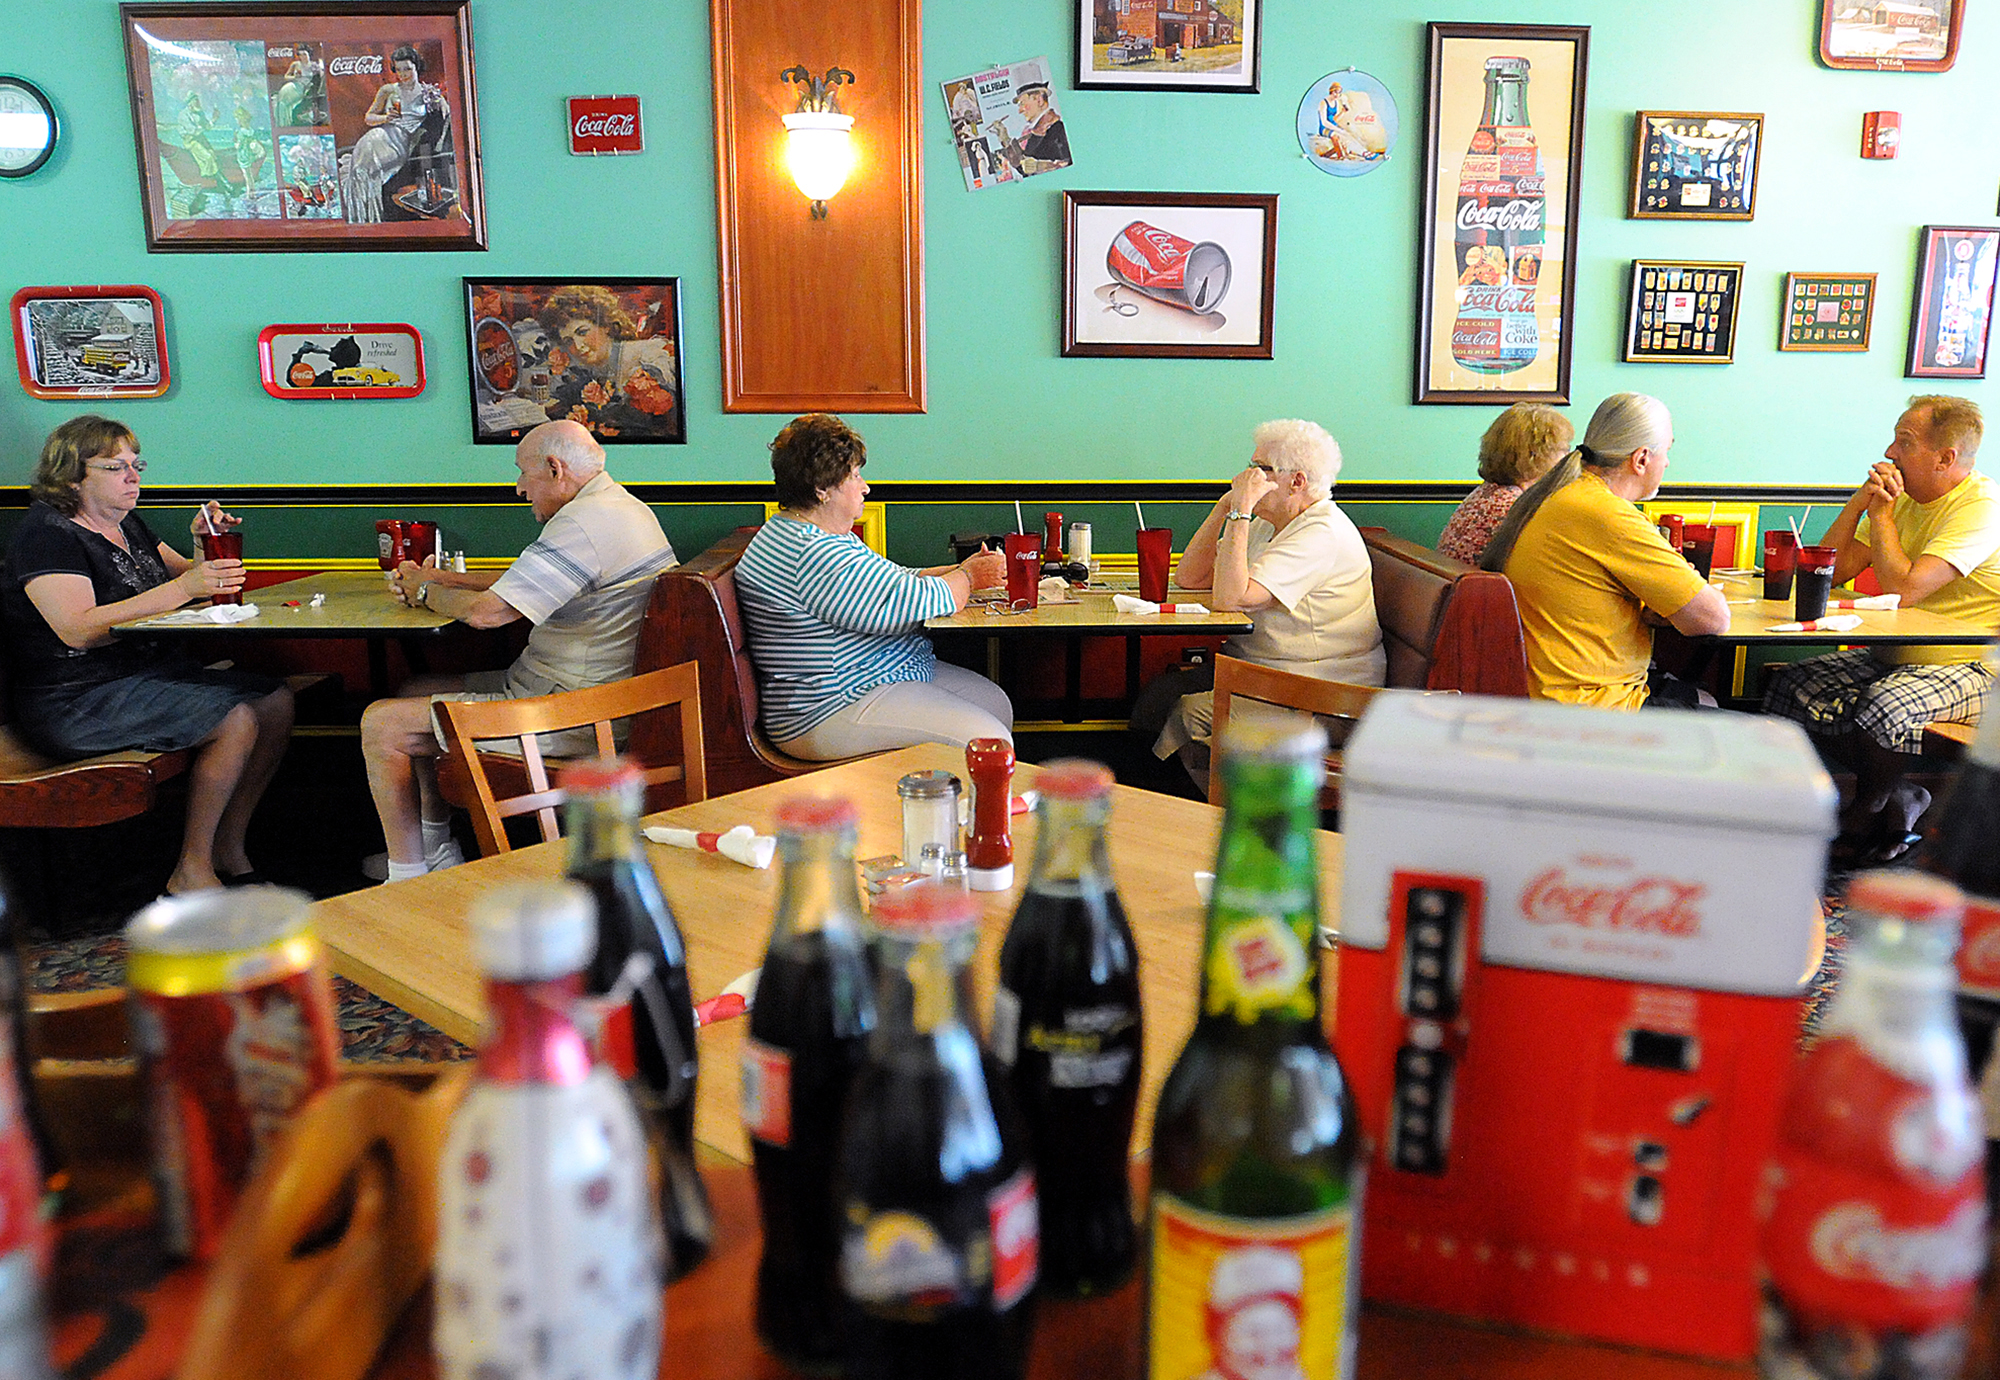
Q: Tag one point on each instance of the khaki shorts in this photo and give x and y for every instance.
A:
(492, 685)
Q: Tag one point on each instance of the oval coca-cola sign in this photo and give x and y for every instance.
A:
(495, 355)
(605, 124)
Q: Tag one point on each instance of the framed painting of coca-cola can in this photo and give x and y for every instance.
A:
(605, 352)
(306, 125)
(1951, 312)
(1503, 160)
(1169, 275)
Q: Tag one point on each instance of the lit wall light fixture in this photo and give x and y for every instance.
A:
(819, 140)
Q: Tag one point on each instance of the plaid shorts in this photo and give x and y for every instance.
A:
(1852, 691)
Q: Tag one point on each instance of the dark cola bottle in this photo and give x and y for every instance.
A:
(1068, 1027)
(937, 1194)
(650, 1041)
(808, 1036)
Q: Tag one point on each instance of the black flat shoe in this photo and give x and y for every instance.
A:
(251, 878)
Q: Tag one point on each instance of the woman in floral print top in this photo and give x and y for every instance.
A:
(1520, 446)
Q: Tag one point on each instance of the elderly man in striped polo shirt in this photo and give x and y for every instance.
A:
(584, 584)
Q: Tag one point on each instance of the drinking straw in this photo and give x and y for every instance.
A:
(1139, 513)
(1804, 518)
(1796, 537)
(1711, 515)
(206, 521)
(1020, 528)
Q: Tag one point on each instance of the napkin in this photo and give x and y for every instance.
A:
(734, 1000)
(1054, 590)
(741, 844)
(1125, 603)
(214, 613)
(1841, 622)
(1871, 601)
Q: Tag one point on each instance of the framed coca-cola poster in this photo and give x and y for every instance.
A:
(1174, 275)
(605, 352)
(1503, 158)
(306, 126)
(1951, 314)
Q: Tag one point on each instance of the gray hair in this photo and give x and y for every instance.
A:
(1623, 424)
(569, 442)
(1298, 447)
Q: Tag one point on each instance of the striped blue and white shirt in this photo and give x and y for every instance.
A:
(829, 620)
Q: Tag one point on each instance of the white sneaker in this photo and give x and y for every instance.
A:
(448, 854)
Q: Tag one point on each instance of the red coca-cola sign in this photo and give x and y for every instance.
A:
(605, 124)
(1642, 905)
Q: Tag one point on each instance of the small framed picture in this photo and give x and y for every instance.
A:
(1195, 45)
(1951, 314)
(1682, 313)
(304, 125)
(91, 342)
(1827, 312)
(605, 352)
(346, 361)
(1890, 35)
(1183, 275)
(1695, 165)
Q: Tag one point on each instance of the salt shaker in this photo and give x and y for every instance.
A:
(930, 813)
(989, 851)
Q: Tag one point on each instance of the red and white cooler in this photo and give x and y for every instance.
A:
(1573, 950)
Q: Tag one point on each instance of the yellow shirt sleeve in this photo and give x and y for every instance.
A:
(1638, 557)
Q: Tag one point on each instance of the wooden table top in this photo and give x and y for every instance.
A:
(408, 943)
(1089, 611)
(1751, 617)
(358, 604)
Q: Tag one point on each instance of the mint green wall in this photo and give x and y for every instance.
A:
(1002, 401)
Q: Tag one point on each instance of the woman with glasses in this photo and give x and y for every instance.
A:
(83, 560)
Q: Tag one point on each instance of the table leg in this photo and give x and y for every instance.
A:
(1073, 679)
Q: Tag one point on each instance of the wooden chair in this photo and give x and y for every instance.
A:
(468, 723)
(1334, 699)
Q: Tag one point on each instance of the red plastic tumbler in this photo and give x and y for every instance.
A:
(1156, 554)
(223, 546)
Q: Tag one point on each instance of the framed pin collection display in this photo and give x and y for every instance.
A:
(1682, 313)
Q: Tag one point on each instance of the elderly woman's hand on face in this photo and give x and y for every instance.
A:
(1247, 490)
(985, 569)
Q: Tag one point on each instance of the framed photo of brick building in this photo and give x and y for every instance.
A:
(1168, 45)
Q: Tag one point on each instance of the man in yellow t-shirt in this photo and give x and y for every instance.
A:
(1591, 575)
(1929, 526)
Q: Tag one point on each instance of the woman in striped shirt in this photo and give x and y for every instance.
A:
(836, 631)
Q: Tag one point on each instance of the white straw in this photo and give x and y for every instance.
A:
(1139, 513)
(1711, 515)
(1804, 518)
(1020, 528)
(206, 522)
(1796, 537)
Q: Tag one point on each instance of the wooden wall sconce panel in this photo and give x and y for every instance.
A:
(820, 315)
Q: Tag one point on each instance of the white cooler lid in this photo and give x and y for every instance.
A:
(1700, 768)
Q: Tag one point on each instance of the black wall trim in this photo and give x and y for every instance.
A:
(1034, 493)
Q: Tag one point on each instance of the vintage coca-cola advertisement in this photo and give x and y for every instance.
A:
(605, 124)
(1502, 162)
(1169, 274)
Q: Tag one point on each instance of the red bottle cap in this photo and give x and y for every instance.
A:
(598, 775)
(923, 909)
(1074, 778)
(1905, 895)
(815, 814)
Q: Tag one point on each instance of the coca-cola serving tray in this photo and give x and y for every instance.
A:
(306, 125)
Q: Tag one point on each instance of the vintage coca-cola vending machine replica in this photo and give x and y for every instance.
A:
(1573, 949)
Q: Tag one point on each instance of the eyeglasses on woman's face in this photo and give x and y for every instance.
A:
(135, 468)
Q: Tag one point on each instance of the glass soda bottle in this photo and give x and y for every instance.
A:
(939, 1232)
(1068, 1028)
(1875, 1214)
(649, 1042)
(808, 1036)
(1257, 1163)
(548, 1256)
(1500, 230)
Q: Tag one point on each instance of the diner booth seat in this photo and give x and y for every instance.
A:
(1445, 625)
(694, 617)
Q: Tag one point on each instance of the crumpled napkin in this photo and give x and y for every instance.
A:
(1840, 622)
(214, 613)
(1054, 590)
(741, 844)
(1868, 601)
(1126, 603)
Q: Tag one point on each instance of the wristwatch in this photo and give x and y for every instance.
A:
(423, 599)
(1237, 517)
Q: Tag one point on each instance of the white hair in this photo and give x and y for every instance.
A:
(1299, 447)
(569, 442)
(1625, 422)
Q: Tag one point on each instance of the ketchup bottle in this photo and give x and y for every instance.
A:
(989, 851)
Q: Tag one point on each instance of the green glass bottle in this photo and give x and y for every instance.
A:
(1256, 1192)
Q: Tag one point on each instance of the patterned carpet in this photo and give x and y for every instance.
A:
(370, 1028)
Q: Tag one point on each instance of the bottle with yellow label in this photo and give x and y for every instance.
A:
(1256, 1190)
